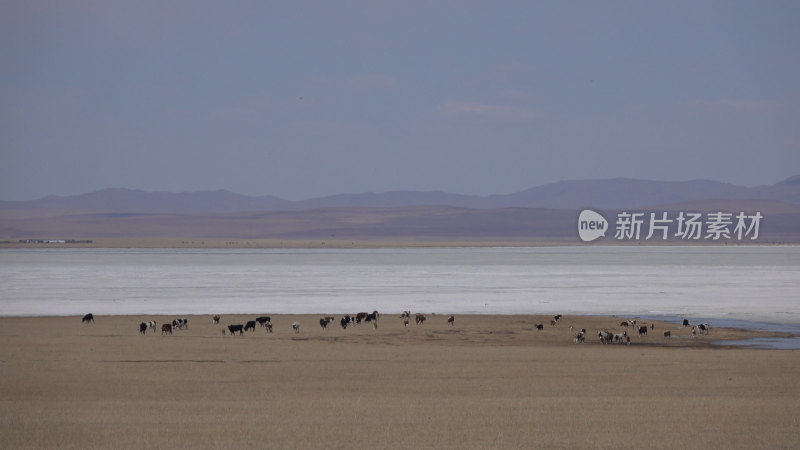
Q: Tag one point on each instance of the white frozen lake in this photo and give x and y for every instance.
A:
(753, 283)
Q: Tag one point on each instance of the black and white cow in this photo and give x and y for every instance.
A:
(323, 322)
(296, 327)
(643, 330)
(345, 321)
(182, 324)
(263, 320)
(151, 325)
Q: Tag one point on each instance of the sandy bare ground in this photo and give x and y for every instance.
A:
(486, 382)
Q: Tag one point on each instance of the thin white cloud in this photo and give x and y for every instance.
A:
(736, 104)
(454, 108)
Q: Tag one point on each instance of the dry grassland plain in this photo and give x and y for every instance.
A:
(486, 382)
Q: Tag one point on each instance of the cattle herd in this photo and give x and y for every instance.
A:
(603, 336)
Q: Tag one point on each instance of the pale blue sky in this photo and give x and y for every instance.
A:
(304, 99)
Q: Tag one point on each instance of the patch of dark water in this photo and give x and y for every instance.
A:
(791, 342)
(777, 343)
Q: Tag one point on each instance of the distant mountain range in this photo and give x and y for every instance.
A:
(618, 193)
(546, 213)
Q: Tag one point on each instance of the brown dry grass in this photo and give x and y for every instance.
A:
(487, 382)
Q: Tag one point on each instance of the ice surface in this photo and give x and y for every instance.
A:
(753, 283)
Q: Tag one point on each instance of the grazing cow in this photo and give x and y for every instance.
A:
(268, 326)
(540, 326)
(296, 327)
(263, 320)
(580, 338)
(88, 318)
(619, 338)
(643, 330)
(323, 323)
(420, 318)
(451, 320)
(624, 324)
(371, 317)
(704, 328)
(236, 328)
(166, 328)
(552, 323)
(605, 337)
(667, 334)
(180, 324)
(250, 325)
(345, 321)
(686, 323)
(360, 317)
(215, 320)
(557, 317)
(143, 328)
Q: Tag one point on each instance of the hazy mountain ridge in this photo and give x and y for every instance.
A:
(544, 213)
(610, 194)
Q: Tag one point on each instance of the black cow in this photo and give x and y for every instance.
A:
(263, 319)
(234, 328)
(686, 323)
(345, 321)
(540, 326)
(143, 328)
(88, 318)
(250, 325)
(643, 330)
(323, 323)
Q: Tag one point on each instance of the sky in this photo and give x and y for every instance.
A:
(303, 99)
